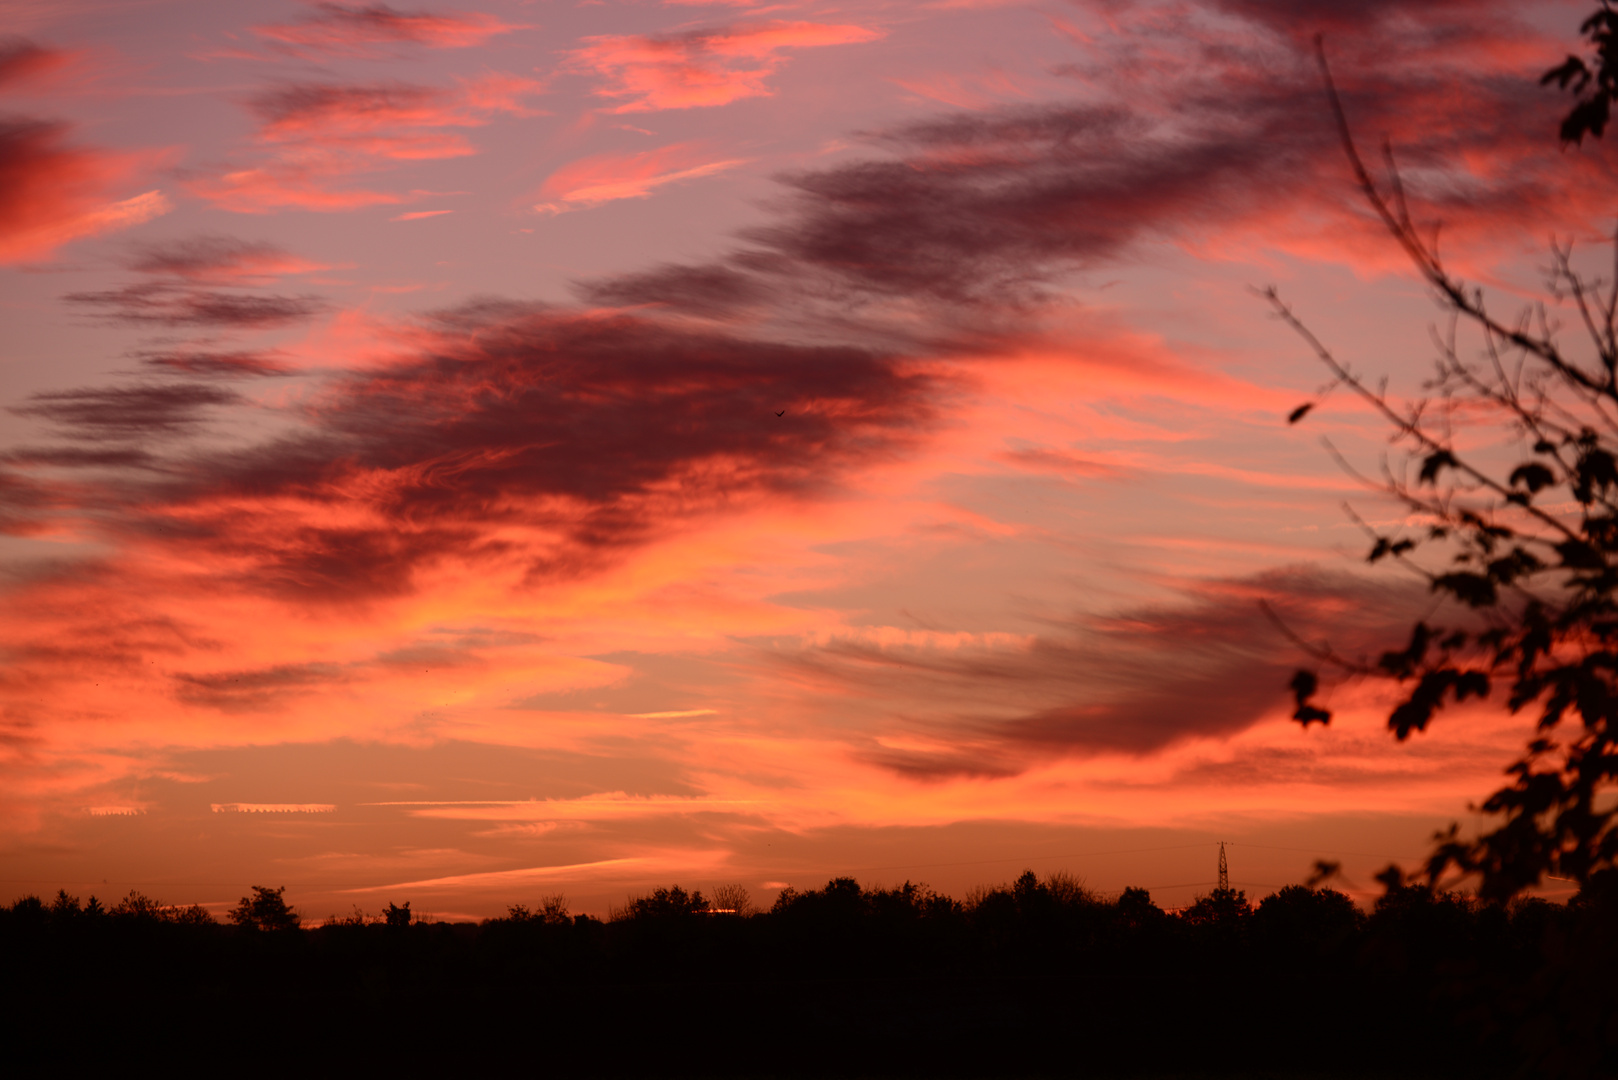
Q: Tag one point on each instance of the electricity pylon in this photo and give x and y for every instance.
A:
(1224, 871)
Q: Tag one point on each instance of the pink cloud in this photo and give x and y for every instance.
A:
(220, 260)
(966, 91)
(703, 67)
(345, 30)
(315, 137)
(289, 187)
(419, 215)
(606, 177)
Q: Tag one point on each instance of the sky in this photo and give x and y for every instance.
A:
(479, 452)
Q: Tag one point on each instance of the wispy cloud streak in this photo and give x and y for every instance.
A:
(702, 68)
(354, 30)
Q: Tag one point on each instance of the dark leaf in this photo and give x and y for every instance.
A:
(1433, 463)
(1325, 870)
(1473, 590)
(1596, 471)
(1577, 555)
(1303, 685)
(1298, 414)
(1565, 73)
(1308, 714)
(1402, 665)
(1516, 564)
(1471, 684)
(1391, 879)
(1532, 476)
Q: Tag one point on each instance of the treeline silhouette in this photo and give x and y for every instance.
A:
(1037, 977)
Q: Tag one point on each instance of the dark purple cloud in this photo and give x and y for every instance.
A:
(358, 30)
(712, 291)
(599, 432)
(983, 210)
(1440, 20)
(208, 258)
(248, 691)
(978, 214)
(81, 457)
(340, 106)
(224, 365)
(161, 304)
(1133, 682)
(139, 412)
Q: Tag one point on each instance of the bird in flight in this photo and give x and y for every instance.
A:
(783, 412)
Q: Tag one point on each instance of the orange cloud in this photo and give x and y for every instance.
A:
(704, 67)
(606, 177)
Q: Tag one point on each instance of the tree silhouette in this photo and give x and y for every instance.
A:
(1527, 552)
(1137, 909)
(664, 904)
(733, 898)
(266, 909)
(1595, 86)
(1223, 907)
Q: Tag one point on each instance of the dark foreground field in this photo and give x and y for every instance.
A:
(1036, 979)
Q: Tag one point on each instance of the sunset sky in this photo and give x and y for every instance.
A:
(470, 453)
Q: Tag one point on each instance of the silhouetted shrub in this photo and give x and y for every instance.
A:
(266, 909)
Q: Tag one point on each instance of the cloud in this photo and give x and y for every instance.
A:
(252, 691)
(1224, 152)
(21, 59)
(972, 219)
(711, 291)
(973, 90)
(337, 113)
(347, 30)
(314, 138)
(162, 304)
(219, 260)
(51, 193)
(224, 365)
(420, 215)
(1133, 682)
(701, 68)
(288, 185)
(150, 411)
(508, 433)
(612, 869)
(604, 178)
(76, 457)
(1444, 21)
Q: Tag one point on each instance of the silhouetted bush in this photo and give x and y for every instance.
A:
(264, 910)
